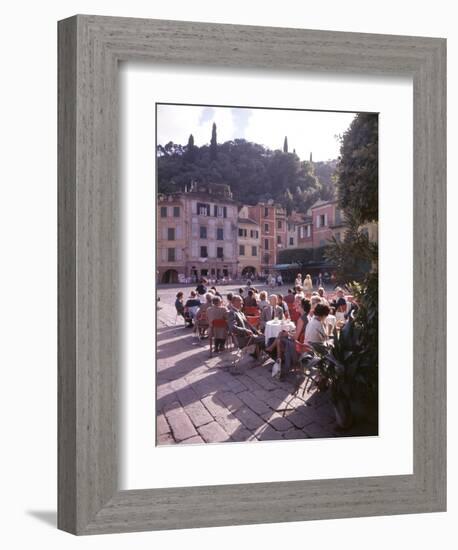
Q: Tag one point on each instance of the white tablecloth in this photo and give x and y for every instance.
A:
(273, 328)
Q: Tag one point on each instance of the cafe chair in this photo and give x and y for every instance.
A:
(252, 311)
(201, 326)
(220, 323)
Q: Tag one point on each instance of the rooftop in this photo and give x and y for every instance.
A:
(322, 203)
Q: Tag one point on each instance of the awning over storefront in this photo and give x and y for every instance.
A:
(281, 267)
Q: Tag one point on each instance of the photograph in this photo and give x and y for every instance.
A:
(266, 274)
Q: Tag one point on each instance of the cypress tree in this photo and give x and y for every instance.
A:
(285, 145)
(213, 144)
(191, 150)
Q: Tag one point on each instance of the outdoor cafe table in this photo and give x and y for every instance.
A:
(274, 327)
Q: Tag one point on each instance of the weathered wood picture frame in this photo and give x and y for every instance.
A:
(90, 48)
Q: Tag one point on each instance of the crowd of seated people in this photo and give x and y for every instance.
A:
(244, 315)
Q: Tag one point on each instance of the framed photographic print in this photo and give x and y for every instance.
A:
(251, 274)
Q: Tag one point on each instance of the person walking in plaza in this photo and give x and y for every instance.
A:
(319, 280)
(308, 284)
(298, 280)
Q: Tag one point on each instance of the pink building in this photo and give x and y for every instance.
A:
(323, 214)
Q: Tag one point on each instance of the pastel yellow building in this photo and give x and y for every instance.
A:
(248, 244)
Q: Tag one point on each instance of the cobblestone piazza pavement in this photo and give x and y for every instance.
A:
(200, 401)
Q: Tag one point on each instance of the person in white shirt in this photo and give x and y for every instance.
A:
(299, 292)
(262, 303)
(308, 284)
(331, 321)
(314, 300)
(316, 330)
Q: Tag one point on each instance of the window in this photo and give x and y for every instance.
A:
(203, 232)
(170, 254)
(309, 230)
(279, 224)
(242, 250)
(242, 232)
(224, 211)
(291, 241)
(266, 212)
(176, 211)
(171, 234)
(278, 239)
(219, 234)
(266, 228)
(203, 209)
(203, 252)
(163, 211)
(219, 252)
(321, 220)
(254, 250)
(266, 244)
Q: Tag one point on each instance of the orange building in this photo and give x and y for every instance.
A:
(271, 219)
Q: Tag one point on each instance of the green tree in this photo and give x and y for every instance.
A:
(357, 169)
(213, 144)
(254, 172)
(190, 150)
(356, 257)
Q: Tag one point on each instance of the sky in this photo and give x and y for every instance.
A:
(308, 132)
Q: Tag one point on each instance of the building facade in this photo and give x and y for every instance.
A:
(323, 217)
(248, 244)
(171, 238)
(272, 223)
(212, 232)
(292, 223)
(202, 232)
(205, 239)
(305, 232)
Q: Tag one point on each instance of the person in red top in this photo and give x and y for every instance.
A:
(304, 310)
(289, 298)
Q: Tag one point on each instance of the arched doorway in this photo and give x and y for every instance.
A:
(248, 271)
(170, 276)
